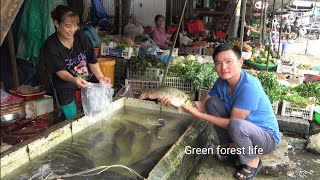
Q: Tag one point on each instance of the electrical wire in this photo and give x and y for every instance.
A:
(90, 172)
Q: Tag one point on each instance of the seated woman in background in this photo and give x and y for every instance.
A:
(159, 34)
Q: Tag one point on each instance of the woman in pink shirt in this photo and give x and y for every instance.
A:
(159, 34)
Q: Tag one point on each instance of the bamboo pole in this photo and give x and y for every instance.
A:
(308, 36)
(13, 59)
(120, 16)
(171, 7)
(261, 23)
(280, 29)
(232, 30)
(174, 43)
(267, 63)
(243, 18)
(264, 9)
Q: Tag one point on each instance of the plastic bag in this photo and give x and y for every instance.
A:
(125, 91)
(148, 47)
(4, 96)
(96, 98)
(165, 56)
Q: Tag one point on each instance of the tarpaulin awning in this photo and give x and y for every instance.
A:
(8, 9)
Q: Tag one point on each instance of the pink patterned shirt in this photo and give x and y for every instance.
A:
(159, 37)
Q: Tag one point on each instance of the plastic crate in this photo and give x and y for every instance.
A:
(203, 93)
(179, 83)
(139, 85)
(194, 50)
(275, 107)
(148, 74)
(305, 113)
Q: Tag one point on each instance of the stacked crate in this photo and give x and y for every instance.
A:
(139, 81)
(181, 84)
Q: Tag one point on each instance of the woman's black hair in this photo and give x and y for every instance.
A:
(158, 17)
(62, 11)
(225, 47)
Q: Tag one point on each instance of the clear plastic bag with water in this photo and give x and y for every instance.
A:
(125, 91)
(96, 98)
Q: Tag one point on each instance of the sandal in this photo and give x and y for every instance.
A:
(248, 175)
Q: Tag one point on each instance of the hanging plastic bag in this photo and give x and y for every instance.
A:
(125, 91)
(148, 47)
(165, 56)
(96, 98)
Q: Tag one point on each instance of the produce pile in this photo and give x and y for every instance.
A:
(188, 68)
(245, 48)
(305, 67)
(260, 56)
(200, 75)
(297, 96)
(140, 63)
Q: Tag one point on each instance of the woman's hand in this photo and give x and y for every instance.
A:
(105, 80)
(81, 83)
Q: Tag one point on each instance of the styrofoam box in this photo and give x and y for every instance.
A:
(246, 55)
(310, 72)
(286, 69)
(39, 107)
(109, 50)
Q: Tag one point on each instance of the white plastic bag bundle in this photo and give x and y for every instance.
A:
(96, 98)
(4, 96)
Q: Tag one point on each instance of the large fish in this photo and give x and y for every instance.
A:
(176, 96)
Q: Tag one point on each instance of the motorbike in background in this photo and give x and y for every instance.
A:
(312, 33)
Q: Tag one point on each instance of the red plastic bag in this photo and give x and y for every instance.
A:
(196, 26)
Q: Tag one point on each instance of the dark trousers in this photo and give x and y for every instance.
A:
(244, 134)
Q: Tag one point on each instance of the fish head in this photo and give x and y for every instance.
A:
(189, 103)
(144, 95)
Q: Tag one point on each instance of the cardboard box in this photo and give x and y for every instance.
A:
(39, 107)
